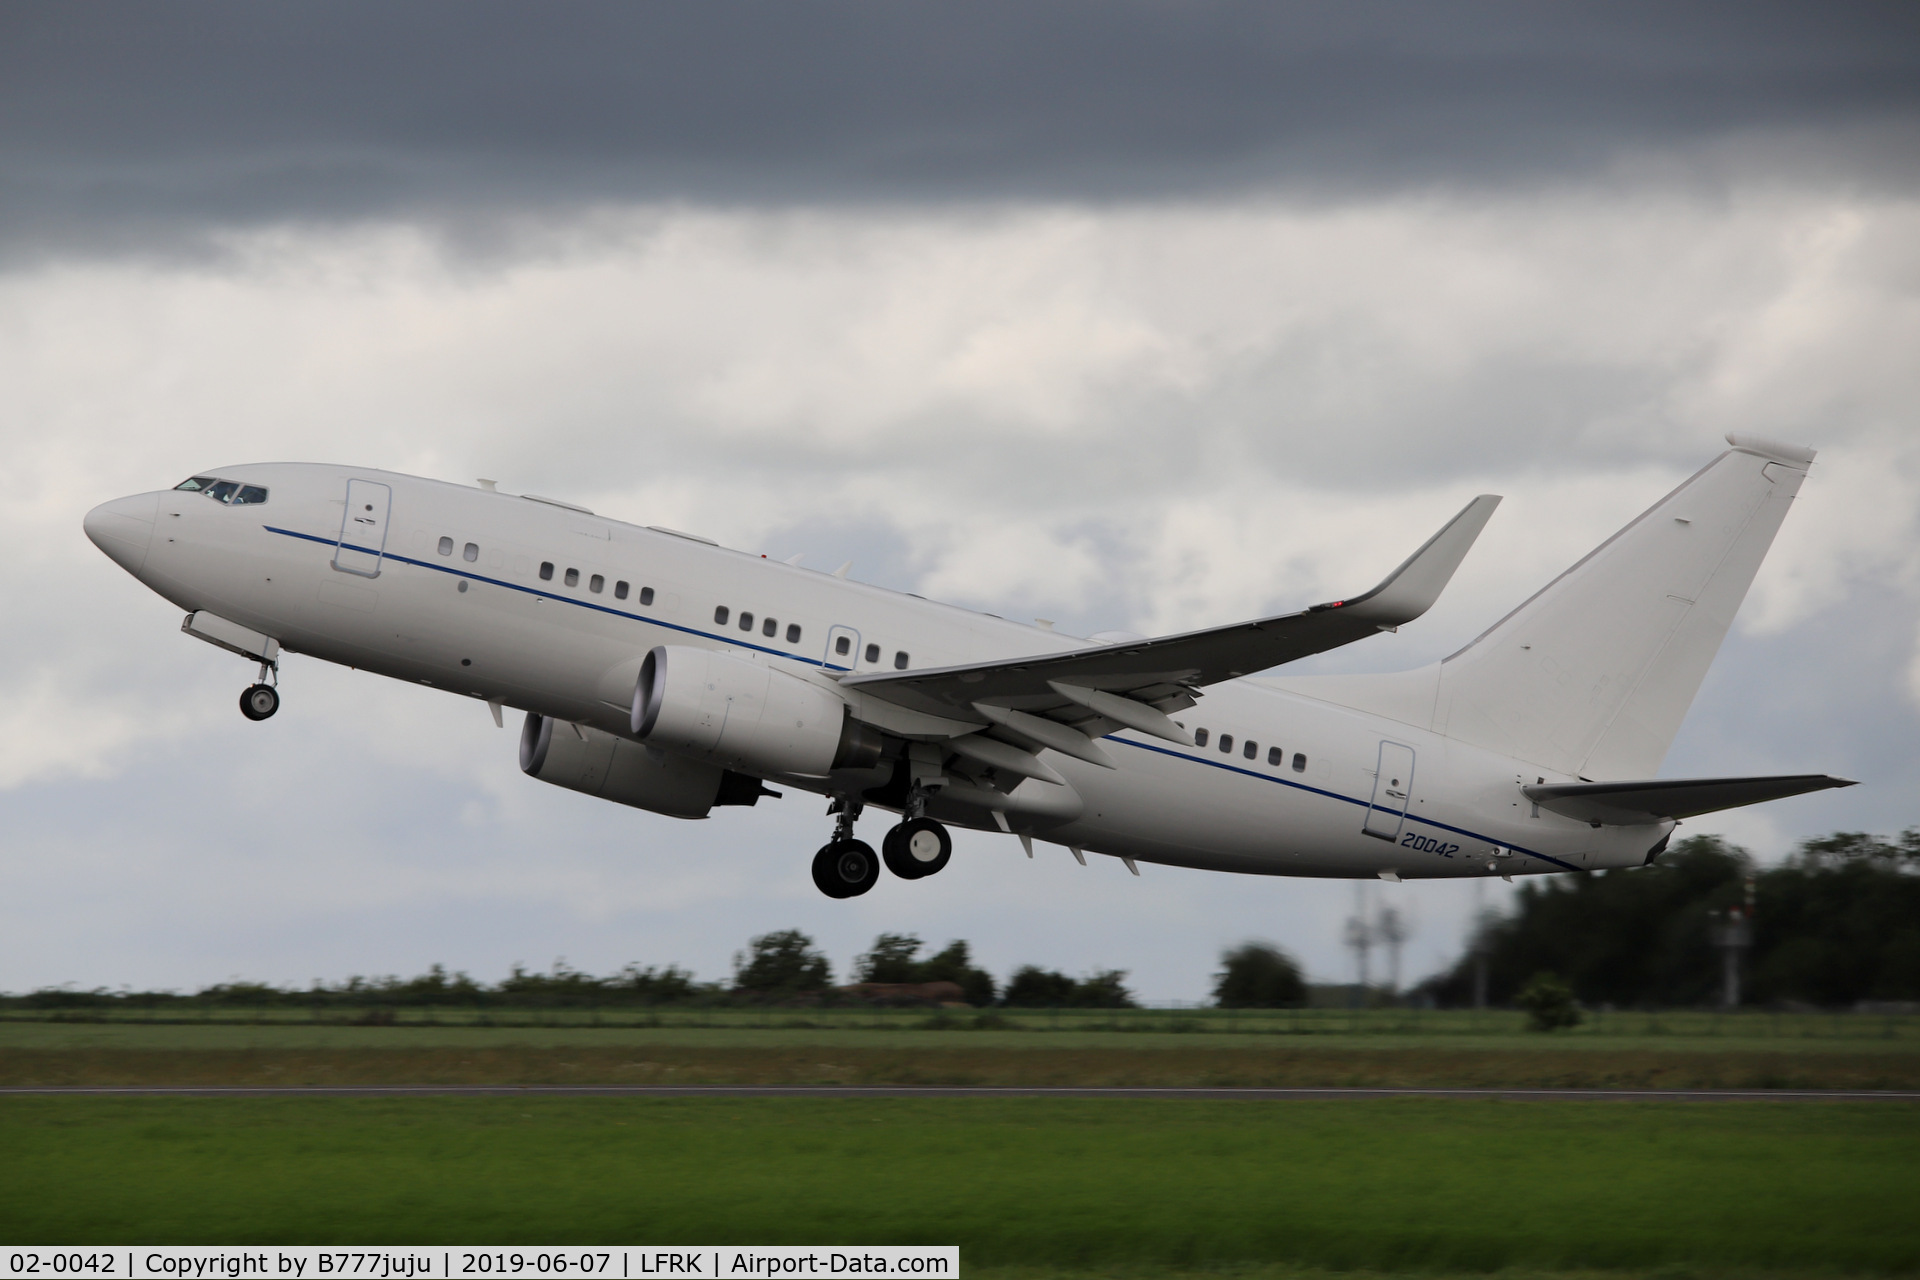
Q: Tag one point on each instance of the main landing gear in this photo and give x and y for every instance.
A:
(915, 848)
(262, 699)
(845, 867)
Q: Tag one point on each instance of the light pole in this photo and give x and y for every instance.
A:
(1733, 934)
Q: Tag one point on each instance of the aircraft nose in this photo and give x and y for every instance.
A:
(123, 529)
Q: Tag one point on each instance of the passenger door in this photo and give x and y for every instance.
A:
(1392, 792)
(363, 528)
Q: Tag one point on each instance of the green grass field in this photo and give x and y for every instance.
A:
(1387, 1185)
(278, 1053)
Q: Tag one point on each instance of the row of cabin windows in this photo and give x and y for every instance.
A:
(596, 583)
(769, 627)
(1250, 750)
(843, 647)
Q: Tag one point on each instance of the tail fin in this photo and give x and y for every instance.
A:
(1593, 675)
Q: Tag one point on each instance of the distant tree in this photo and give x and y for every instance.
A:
(891, 959)
(1106, 989)
(1036, 988)
(954, 963)
(1258, 975)
(1839, 922)
(782, 963)
(1549, 1003)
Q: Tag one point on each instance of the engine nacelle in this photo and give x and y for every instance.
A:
(745, 715)
(585, 759)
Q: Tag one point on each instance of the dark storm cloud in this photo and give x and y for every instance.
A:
(120, 121)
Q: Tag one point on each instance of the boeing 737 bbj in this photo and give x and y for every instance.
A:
(660, 670)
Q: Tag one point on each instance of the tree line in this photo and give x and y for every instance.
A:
(779, 967)
(1836, 924)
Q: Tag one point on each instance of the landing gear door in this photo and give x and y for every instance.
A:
(843, 648)
(363, 529)
(1392, 792)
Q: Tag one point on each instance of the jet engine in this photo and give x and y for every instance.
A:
(584, 759)
(746, 715)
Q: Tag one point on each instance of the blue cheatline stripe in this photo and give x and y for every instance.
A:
(780, 653)
(1333, 795)
(450, 571)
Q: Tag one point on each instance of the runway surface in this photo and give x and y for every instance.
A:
(904, 1091)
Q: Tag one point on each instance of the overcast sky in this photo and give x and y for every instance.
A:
(1141, 316)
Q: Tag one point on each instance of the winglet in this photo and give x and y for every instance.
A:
(1410, 590)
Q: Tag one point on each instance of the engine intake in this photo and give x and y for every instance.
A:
(747, 715)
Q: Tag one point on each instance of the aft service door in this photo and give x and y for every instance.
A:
(843, 648)
(1392, 792)
(363, 529)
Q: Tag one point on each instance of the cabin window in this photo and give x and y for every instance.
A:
(1275, 756)
(1199, 737)
(546, 571)
(573, 577)
(646, 595)
(198, 484)
(843, 646)
(596, 584)
(1252, 749)
(900, 660)
(620, 590)
(446, 546)
(746, 621)
(470, 552)
(720, 615)
(224, 489)
(769, 627)
(873, 653)
(250, 495)
(1226, 743)
(1299, 762)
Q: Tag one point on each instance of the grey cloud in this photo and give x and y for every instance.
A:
(122, 123)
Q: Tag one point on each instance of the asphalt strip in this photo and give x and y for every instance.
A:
(905, 1091)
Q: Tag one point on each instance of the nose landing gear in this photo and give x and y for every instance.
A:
(259, 701)
(261, 698)
(845, 867)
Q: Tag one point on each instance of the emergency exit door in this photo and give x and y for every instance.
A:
(1392, 792)
(363, 529)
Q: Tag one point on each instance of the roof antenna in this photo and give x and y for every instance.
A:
(491, 486)
(841, 572)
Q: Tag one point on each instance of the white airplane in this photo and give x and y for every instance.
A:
(660, 670)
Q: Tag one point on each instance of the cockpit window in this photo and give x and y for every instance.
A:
(230, 492)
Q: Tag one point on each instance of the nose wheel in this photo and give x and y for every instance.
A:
(259, 701)
(917, 847)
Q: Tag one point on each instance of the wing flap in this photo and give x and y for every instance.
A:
(1631, 804)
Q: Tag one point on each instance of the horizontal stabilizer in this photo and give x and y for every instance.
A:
(1632, 804)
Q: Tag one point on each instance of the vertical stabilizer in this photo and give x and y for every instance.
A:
(1592, 676)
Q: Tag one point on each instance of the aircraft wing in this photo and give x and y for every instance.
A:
(1637, 803)
(1134, 683)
